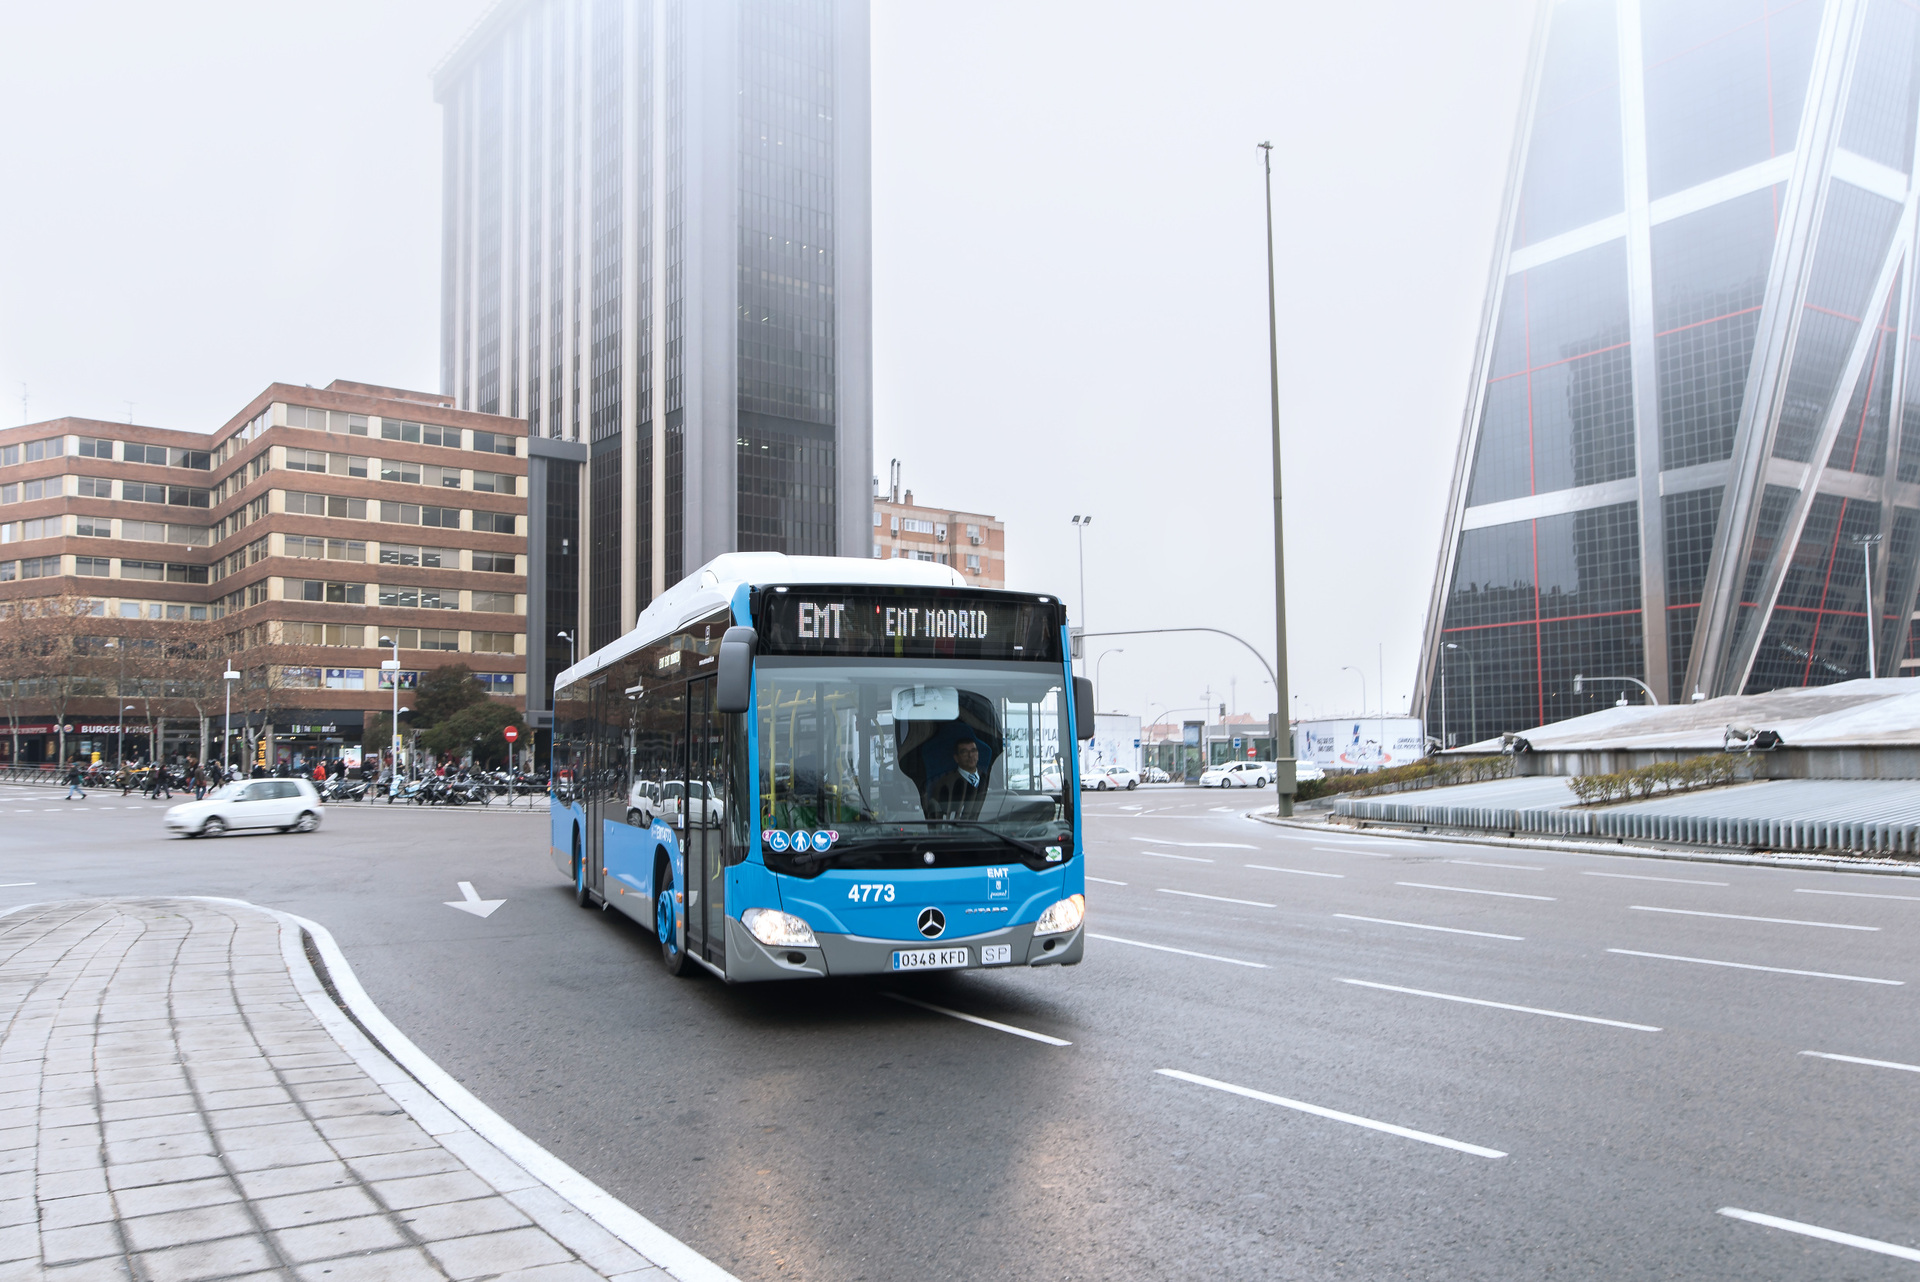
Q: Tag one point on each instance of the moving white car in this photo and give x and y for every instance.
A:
(291, 805)
(1107, 778)
(1237, 774)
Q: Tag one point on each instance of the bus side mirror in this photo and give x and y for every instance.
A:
(1083, 708)
(734, 689)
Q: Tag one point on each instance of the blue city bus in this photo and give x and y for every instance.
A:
(795, 767)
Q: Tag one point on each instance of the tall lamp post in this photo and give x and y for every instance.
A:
(1284, 778)
(1080, 524)
(1348, 667)
(573, 651)
(1866, 542)
(226, 743)
(1473, 692)
(393, 666)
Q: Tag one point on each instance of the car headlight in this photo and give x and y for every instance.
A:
(776, 929)
(1062, 917)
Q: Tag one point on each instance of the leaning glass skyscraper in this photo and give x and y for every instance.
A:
(656, 248)
(1687, 434)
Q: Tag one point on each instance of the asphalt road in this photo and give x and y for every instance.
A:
(1571, 1096)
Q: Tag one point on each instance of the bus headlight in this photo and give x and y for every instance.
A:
(776, 929)
(1062, 917)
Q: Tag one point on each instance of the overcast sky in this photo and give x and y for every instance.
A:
(1070, 301)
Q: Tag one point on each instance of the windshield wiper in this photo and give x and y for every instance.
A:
(1015, 842)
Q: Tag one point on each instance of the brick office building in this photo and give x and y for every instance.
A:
(136, 562)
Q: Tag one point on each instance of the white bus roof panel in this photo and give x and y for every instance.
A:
(712, 586)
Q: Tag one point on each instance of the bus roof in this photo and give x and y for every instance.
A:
(713, 585)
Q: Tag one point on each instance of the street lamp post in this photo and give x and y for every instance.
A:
(393, 666)
(226, 743)
(1096, 673)
(120, 736)
(1473, 691)
(573, 651)
(1348, 667)
(1283, 765)
(1080, 524)
(1866, 542)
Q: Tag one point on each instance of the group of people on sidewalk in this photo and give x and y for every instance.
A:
(152, 779)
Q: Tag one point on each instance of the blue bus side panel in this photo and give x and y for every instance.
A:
(975, 900)
(628, 855)
(751, 885)
(563, 819)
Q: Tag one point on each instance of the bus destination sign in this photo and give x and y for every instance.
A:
(883, 622)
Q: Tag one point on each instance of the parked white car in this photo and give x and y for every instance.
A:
(1237, 774)
(291, 805)
(1307, 772)
(1107, 778)
(1153, 774)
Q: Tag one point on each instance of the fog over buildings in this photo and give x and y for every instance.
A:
(1069, 292)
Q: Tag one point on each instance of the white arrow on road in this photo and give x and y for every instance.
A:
(472, 903)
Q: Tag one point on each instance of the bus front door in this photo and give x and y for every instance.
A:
(705, 832)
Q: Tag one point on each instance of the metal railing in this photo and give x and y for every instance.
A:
(1896, 838)
(42, 774)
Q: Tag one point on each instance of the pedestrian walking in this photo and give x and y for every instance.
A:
(74, 778)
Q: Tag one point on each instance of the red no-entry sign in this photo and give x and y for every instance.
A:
(512, 733)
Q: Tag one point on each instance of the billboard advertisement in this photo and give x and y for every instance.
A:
(1360, 743)
(1115, 742)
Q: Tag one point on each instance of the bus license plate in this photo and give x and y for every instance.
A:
(930, 959)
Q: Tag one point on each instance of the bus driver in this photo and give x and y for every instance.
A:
(958, 794)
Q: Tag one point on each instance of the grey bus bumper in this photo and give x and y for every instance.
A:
(749, 960)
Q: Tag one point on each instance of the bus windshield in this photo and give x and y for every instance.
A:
(902, 760)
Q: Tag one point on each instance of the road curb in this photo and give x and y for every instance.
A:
(434, 1099)
(1802, 863)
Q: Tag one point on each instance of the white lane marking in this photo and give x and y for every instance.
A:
(1775, 970)
(1777, 921)
(1298, 872)
(994, 1024)
(1873, 1063)
(1197, 845)
(1184, 952)
(1218, 899)
(1853, 894)
(1468, 890)
(1414, 925)
(1168, 854)
(1528, 1010)
(8, 885)
(1104, 882)
(470, 901)
(1825, 1235)
(1479, 863)
(1353, 850)
(1635, 876)
(1331, 1114)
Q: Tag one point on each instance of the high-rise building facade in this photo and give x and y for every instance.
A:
(656, 245)
(1687, 432)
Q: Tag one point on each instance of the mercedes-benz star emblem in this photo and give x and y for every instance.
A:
(932, 922)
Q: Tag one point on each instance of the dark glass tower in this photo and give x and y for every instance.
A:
(1687, 422)
(657, 245)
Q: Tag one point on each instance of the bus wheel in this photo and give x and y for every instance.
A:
(670, 952)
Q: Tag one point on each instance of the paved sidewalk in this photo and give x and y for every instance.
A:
(173, 1109)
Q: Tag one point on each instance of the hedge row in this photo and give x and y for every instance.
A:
(1662, 776)
(1431, 772)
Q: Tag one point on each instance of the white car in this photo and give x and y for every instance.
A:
(1237, 774)
(1153, 774)
(1107, 778)
(291, 805)
(1307, 772)
(647, 801)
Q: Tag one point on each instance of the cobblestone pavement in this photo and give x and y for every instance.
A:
(172, 1108)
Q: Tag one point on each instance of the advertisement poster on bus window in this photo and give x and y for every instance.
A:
(1360, 743)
